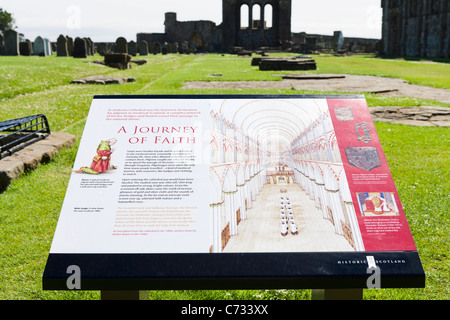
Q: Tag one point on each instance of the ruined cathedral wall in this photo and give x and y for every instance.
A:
(204, 34)
(416, 28)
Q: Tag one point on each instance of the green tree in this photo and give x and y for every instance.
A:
(6, 20)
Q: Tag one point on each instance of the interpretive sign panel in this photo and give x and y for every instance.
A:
(211, 192)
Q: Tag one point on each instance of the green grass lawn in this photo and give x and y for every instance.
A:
(29, 209)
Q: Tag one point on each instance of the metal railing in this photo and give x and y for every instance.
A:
(19, 133)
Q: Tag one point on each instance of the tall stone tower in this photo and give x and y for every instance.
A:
(253, 24)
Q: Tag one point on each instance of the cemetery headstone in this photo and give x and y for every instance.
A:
(175, 47)
(102, 48)
(89, 46)
(143, 48)
(132, 48)
(80, 49)
(118, 60)
(2, 43)
(48, 47)
(70, 45)
(121, 45)
(157, 48)
(11, 43)
(184, 47)
(39, 47)
(26, 48)
(61, 47)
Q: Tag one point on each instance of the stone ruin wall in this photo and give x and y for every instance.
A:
(416, 28)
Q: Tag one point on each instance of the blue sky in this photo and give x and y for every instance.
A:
(106, 20)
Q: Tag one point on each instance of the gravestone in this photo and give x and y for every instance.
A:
(39, 47)
(80, 49)
(184, 47)
(26, 48)
(89, 46)
(118, 60)
(175, 47)
(132, 48)
(61, 46)
(102, 48)
(143, 48)
(2, 44)
(48, 47)
(156, 46)
(11, 39)
(69, 46)
(121, 45)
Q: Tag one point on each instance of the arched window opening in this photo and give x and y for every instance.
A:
(244, 16)
(256, 16)
(268, 16)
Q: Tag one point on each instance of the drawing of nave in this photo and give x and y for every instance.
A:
(277, 179)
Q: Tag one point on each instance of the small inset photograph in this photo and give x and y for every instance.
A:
(377, 204)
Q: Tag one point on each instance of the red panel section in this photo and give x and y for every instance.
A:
(377, 205)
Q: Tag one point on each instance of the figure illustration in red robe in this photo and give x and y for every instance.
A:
(102, 161)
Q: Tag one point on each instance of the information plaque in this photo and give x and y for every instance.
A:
(231, 192)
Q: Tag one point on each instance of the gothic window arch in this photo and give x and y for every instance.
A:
(268, 16)
(256, 16)
(244, 16)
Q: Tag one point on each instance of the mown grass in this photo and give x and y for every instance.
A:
(29, 209)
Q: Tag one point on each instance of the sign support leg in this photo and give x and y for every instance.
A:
(337, 294)
(124, 295)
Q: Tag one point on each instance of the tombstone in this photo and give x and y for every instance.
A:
(192, 47)
(102, 48)
(132, 48)
(11, 46)
(26, 48)
(184, 47)
(89, 46)
(92, 45)
(156, 48)
(168, 47)
(2, 44)
(79, 48)
(143, 48)
(151, 48)
(48, 47)
(118, 60)
(69, 45)
(175, 47)
(121, 45)
(61, 46)
(39, 47)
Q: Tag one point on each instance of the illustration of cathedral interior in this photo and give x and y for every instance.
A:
(277, 179)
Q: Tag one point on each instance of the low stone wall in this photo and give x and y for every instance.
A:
(31, 157)
(279, 64)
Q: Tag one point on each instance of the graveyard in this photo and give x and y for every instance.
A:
(418, 153)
